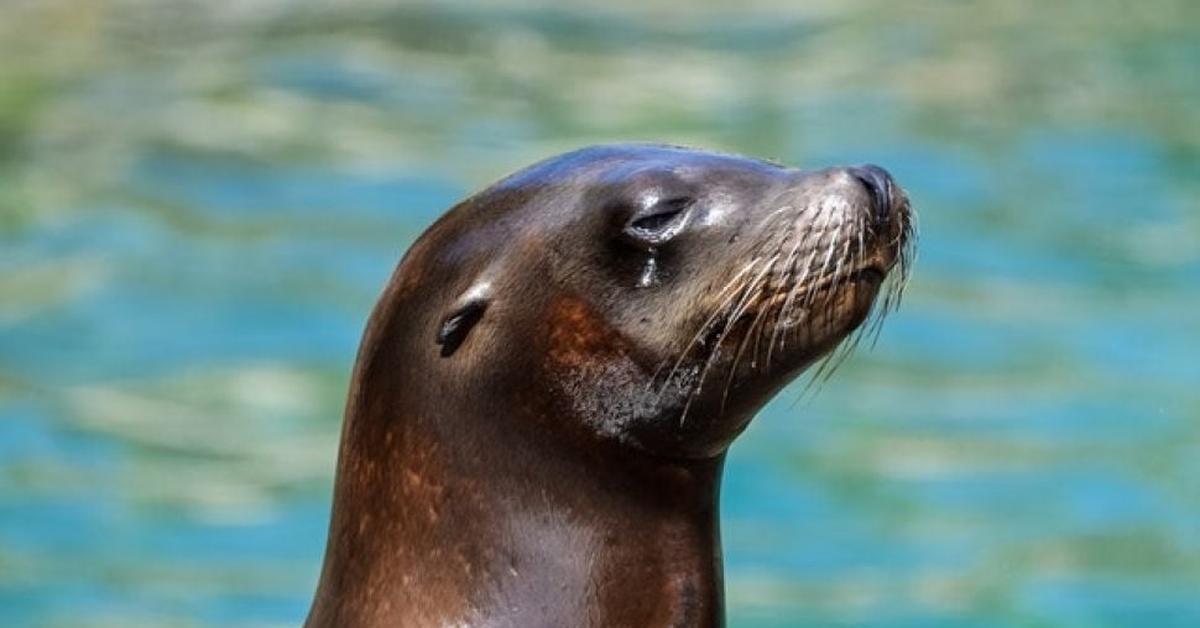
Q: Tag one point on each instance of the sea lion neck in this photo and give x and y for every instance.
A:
(460, 518)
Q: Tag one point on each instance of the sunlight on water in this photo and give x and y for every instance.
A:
(199, 203)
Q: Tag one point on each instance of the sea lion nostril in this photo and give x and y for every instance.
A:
(879, 184)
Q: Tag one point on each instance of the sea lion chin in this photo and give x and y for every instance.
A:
(569, 353)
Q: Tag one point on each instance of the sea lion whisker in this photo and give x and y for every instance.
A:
(704, 327)
(826, 271)
(814, 377)
(843, 351)
(786, 283)
(791, 302)
(722, 317)
(738, 356)
(829, 251)
(730, 322)
(790, 285)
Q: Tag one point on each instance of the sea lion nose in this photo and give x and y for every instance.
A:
(879, 184)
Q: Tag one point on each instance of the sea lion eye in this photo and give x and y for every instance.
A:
(658, 222)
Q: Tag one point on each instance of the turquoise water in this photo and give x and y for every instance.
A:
(200, 201)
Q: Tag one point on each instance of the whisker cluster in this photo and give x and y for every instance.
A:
(786, 292)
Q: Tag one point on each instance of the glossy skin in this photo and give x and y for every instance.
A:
(545, 391)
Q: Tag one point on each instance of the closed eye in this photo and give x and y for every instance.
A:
(664, 213)
(659, 222)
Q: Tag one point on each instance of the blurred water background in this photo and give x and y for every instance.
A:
(199, 202)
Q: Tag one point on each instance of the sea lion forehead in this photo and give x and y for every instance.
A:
(609, 162)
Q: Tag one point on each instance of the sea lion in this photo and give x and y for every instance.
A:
(547, 386)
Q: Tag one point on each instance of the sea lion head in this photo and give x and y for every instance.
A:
(648, 297)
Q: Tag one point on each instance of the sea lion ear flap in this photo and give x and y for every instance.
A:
(458, 324)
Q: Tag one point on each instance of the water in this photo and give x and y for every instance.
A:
(200, 201)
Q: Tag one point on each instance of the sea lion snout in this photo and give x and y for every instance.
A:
(866, 216)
